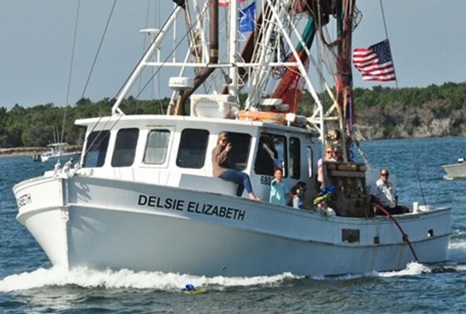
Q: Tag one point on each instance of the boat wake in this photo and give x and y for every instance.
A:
(127, 279)
(169, 282)
(411, 269)
(456, 263)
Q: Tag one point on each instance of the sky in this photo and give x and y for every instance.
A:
(427, 38)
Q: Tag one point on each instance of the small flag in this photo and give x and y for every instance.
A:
(247, 18)
(375, 63)
(225, 3)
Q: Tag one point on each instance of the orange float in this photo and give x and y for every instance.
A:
(262, 116)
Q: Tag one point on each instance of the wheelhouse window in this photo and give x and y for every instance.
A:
(125, 147)
(310, 158)
(295, 158)
(271, 154)
(241, 146)
(192, 150)
(96, 149)
(157, 147)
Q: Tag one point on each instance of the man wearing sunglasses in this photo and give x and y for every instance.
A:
(383, 193)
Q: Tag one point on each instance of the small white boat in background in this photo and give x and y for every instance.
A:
(58, 150)
(455, 171)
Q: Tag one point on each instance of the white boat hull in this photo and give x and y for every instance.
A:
(455, 171)
(63, 157)
(145, 195)
(90, 222)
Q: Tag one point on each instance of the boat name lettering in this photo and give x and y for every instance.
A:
(155, 201)
(266, 180)
(24, 199)
(192, 207)
(214, 210)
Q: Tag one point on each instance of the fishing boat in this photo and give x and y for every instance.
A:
(143, 197)
(455, 171)
(56, 151)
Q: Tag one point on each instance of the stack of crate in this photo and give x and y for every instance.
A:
(351, 196)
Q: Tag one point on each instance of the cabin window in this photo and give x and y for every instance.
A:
(157, 147)
(295, 158)
(192, 150)
(271, 154)
(350, 235)
(310, 159)
(96, 149)
(241, 145)
(125, 147)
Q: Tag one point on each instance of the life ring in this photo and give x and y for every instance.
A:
(262, 116)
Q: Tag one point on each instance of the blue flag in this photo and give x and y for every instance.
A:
(247, 18)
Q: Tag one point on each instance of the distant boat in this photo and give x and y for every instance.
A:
(56, 150)
(455, 171)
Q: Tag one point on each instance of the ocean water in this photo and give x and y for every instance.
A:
(30, 284)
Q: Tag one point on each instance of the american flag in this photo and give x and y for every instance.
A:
(375, 63)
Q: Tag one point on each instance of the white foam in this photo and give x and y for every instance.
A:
(413, 268)
(459, 268)
(457, 251)
(90, 278)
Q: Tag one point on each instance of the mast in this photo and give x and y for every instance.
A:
(213, 59)
(344, 77)
(233, 44)
(145, 59)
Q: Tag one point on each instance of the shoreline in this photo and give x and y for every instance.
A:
(22, 151)
(29, 151)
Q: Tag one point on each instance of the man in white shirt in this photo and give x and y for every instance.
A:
(383, 193)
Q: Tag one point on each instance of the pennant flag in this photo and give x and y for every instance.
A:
(375, 63)
(247, 18)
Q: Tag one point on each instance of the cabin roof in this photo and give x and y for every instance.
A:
(125, 121)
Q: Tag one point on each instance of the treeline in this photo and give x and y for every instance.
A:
(381, 112)
(433, 111)
(41, 125)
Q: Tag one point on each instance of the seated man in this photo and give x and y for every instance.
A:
(383, 194)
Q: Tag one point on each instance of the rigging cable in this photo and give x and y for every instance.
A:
(386, 35)
(165, 60)
(98, 49)
(405, 236)
(93, 64)
(90, 74)
(416, 163)
(121, 88)
(71, 70)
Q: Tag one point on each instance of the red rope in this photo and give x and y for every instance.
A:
(405, 236)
